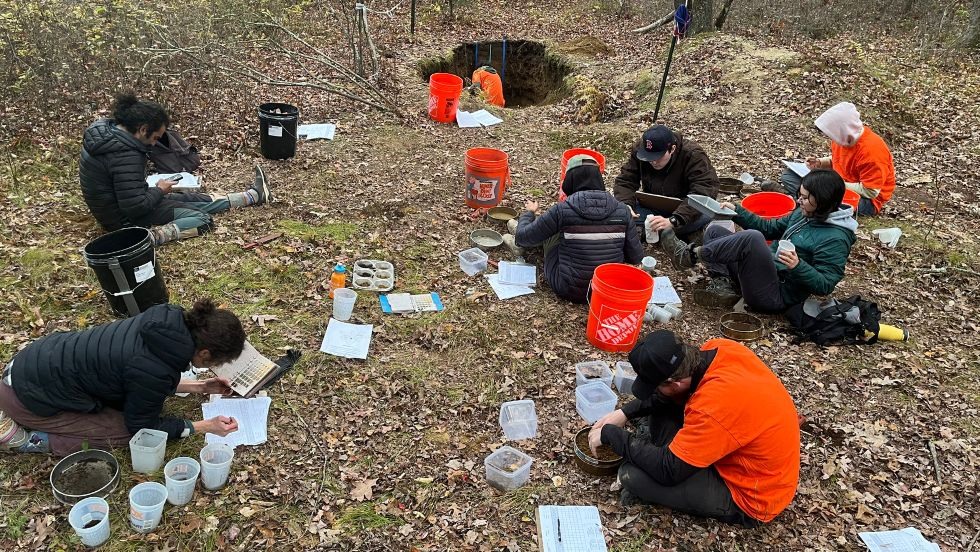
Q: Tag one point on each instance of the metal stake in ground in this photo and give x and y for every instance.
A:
(682, 18)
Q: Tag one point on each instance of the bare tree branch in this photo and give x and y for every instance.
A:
(658, 23)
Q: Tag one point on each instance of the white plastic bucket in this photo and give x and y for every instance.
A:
(89, 518)
(146, 502)
(343, 303)
(147, 449)
(216, 464)
(181, 477)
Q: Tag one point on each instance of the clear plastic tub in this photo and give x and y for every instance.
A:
(181, 477)
(507, 468)
(146, 502)
(593, 370)
(90, 519)
(216, 465)
(624, 377)
(147, 449)
(473, 261)
(519, 420)
(594, 400)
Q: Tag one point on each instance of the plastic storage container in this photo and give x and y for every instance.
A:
(216, 465)
(594, 400)
(519, 420)
(147, 449)
(146, 502)
(473, 261)
(593, 370)
(507, 468)
(181, 477)
(90, 520)
(624, 377)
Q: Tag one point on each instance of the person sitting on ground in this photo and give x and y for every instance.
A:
(723, 435)
(666, 164)
(822, 229)
(112, 171)
(590, 228)
(102, 385)
(486, 79)
(859, 155)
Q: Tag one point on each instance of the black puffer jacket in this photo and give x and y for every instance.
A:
(131, 365)
(593, 228)
(112, 171)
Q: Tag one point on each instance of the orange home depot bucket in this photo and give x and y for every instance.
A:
(852, 198)
(569, 153)
(619, 297)
(487, 177)
(444, 90)
(769, 205)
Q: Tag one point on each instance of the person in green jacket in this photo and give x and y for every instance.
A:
(741, 264)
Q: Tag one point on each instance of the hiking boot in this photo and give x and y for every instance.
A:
(261, 187)
(681, 254)
(627, 498)
(511, 245)
(720, 292)
(772, 186)
(164, 234)
(512, 226)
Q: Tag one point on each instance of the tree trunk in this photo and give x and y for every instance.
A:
(702, 15)
(720, 21)
(973, 34)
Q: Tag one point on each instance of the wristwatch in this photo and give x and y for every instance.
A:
(675, 221)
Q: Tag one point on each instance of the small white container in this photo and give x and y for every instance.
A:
(343, 303)
(726, 224)
(507, 468)
(473, 261)
(146, 502)
(593, 370)
(594, 400)
(216, 465)
(648, 264)
(624, 377)
(658, 314)
(181, 477)
(652, 235)
(519, 420)
(785, 245)
(82, 516)
(673, 309)
(147, 449)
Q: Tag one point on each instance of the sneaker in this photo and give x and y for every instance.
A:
(680, 253)
(627, 498)
(720, 292)
(772, 186)
(511, 245)
(37, 441)
(261, 187)
(512, 226)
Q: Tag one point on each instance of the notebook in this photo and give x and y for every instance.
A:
(656, 202)
(187, 182)
(249, 372)
(569, 529)
(402, 303)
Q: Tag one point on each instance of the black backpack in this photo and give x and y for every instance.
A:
(835, 321)
(172, 154)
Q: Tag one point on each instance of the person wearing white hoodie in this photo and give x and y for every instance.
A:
(859, 155)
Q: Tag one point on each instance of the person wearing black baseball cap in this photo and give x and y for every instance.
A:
(724, 436)
(666, 164)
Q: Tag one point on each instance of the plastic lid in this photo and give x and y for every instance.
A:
(340, 268)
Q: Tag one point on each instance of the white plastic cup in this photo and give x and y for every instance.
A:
(648, 263)
(146, 502)
(181, 476)
(216, 464)
(652, 235)
(659, 314)
(82, 516)
(147, 449)
(785, 245)
(673, 310)
(343, 303)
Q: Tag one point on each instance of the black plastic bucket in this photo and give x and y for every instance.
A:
(125, 263)
(277, 130)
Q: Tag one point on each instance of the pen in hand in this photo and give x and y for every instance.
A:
(559, 529)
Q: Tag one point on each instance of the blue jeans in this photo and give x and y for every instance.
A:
(198, 210)
(747, 259)
(681, 232)
(792, 181)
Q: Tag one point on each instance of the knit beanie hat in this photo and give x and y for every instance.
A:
(842, 124)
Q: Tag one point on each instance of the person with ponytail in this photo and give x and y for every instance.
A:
(112, 172)
(101, 385)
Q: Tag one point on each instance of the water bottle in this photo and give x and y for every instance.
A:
(338, 278)
(652, 235)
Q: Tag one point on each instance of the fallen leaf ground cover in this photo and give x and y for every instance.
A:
(388, 453)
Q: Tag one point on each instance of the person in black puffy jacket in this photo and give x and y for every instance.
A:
(103, 384)
(113, 169)
(590, 228)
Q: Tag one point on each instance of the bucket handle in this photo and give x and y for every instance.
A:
(127, 294)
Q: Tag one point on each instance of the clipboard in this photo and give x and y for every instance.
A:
(656, 202)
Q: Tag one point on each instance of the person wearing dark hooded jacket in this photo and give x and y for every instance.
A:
(103, 384)
(821, 229)
(590, 228)
(112, 172)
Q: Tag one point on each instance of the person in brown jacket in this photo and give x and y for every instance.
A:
(664, 163)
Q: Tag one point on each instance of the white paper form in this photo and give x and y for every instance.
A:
(324, 131)
(347, 340)
(663, 291)
(507, 291)
(187, 182)
(517, 274)
(477, 119)
(799, 168)
(904, 540)
(252, 416)
(570, 529)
